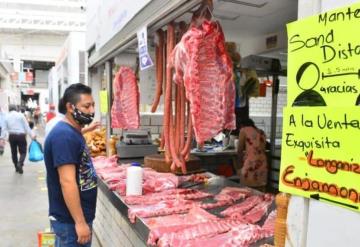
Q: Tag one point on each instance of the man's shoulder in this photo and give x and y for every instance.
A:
(62, 129)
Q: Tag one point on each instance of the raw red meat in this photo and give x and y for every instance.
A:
(160, 209)
(111, 171)
(217, 204)
(196, 178)
(125, 108)
(119, 187)
(241, 208)
(201, 230)
(241, 235)
(268, 228)
(233, 193)
(203, 66)
(166, 224)
(100, 162)
(257, 212)
(182, 194)
(155, 181)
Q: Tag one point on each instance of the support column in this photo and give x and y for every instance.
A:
(108, 78)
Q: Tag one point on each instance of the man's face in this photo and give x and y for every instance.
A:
(86, 104)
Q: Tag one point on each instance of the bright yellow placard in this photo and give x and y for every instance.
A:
(324, 59)
(320, 154)
(103, 101)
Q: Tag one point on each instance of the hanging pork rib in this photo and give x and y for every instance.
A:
(125, 108)
(203, 66)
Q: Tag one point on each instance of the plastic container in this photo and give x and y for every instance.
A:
(134, 178)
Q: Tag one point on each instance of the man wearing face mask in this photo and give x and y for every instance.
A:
(71, 177)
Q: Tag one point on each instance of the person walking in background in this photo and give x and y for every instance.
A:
(59, 116)
(51, 113)
(253, 162)
(71, 177)
(2, 130)
(17, 127)
(2, 122)
(37, 115)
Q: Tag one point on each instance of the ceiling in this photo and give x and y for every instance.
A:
(255, 17)
(42, 16)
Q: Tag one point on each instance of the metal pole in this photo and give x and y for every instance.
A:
(275, 92)
(108, 73)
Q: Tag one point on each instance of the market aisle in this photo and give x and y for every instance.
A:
(23, 202)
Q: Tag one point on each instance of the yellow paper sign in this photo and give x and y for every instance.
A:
(103, 101)
(320, 154)
(324, 59)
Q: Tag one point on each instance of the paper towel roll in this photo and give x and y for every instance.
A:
(134, 177)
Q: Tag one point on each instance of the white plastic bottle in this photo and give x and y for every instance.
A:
(134, 178)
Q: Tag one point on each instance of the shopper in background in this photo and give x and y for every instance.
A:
(51, 113)
(2, 130)
(37, 115)
(253, 162)
(2, 122)
(17, 127)
(59, 116)
(71, 177)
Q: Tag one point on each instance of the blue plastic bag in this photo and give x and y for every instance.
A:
(35, 151)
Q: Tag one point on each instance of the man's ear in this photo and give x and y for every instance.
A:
(69, 107)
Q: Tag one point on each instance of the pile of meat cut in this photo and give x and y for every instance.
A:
(204, 91)
(125, 107)
(182, 216)
(185, 222)
(114, 176)
(202, 65)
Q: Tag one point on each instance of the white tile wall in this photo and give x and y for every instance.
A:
(260, 111)
(111, 228)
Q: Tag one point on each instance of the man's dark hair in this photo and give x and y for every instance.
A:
(22, 109)
(12, 107)
(247, 122)
(61, 106)
(72, 94)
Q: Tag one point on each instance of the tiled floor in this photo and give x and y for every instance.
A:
(23, 203)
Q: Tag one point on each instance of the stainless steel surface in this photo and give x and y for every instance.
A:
(134, 151)
(137, 136)
(230, 152)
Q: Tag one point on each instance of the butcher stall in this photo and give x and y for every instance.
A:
(170, 77)
(191, 210)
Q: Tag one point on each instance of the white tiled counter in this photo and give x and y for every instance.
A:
(111, 227)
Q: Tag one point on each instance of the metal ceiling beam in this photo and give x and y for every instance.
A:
(56, 3)
(41, 20)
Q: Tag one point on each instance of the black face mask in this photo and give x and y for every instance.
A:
(82, 118)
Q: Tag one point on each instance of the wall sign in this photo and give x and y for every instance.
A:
(324, 59)
(144, 57)
(321, 125)
(320, 157)
(104, 101)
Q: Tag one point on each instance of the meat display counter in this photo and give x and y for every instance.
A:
(113, 228)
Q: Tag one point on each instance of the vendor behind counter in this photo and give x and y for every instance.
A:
(253, 170)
